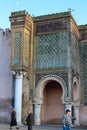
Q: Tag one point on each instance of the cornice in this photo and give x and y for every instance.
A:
(51, 16)
(20, 14)
(82, 27)
(51, 70)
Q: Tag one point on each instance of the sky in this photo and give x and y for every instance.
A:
(43, 7)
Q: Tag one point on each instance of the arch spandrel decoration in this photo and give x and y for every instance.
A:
(42, 83)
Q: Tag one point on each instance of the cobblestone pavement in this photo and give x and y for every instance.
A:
(47, 127)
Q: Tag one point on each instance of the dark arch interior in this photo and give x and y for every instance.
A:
(52, 108)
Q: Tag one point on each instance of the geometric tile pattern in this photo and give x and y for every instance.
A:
(51, 51)
(17, 47)
(74, 53)
(84, 65)
(26, 50)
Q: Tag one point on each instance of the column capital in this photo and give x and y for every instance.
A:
(13, 72)
(18, 72)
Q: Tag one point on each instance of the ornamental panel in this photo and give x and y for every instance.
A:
(51, 51)
(60, 25)
(26, 50)
(84, 72)
(74, 53)
(17, 47)
(62, 75)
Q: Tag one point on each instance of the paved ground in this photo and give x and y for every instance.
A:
(47, 127)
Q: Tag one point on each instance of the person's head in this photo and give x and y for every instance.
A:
(68, 112)
(29, 111)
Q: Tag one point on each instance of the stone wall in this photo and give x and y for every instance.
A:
(6, 93)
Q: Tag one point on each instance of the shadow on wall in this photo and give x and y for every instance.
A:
(5, 110)
(83, 115)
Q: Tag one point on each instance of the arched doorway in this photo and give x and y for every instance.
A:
(50, 89)
(52, 108)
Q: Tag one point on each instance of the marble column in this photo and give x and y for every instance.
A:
(76, 114)
(18, 96)
(37, 114)
(68, 106)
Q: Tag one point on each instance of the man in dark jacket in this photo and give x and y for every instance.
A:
(29, 120)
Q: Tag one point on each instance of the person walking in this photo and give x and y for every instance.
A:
(13, 120)
(29, 120)
(67, 119)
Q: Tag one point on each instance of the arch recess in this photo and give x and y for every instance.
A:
(42, 83)
(76, 89)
